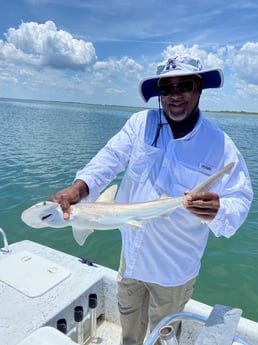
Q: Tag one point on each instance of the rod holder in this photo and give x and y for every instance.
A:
(93, 314)
(167, 335)
(61, 325)
(78, 318)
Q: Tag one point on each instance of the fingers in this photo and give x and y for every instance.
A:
(204, 205)
(65, 198)
(63, 201)
(65, 205)
(71, 195)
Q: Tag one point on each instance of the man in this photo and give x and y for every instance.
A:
(168, 150)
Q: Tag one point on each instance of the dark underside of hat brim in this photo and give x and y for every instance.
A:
(211, 79)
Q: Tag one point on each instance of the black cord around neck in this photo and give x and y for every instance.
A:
(160, 125)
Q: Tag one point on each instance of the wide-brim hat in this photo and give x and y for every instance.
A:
(180, 66)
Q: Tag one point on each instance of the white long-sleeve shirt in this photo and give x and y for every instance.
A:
(167, 251)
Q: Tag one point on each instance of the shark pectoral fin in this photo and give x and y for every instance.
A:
(81, 235)
(108, 195)
(134, 223)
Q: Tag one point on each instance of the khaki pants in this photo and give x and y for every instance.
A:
(142, 304)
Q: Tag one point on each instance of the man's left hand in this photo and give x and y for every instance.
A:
(204, 205)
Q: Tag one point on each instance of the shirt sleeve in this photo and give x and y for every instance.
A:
(112, 159)
(235, 197)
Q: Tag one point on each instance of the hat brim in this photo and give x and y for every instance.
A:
(211, 78)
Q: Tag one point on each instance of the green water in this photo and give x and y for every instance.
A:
(43, 144)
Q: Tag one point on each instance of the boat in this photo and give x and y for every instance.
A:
(52, 298)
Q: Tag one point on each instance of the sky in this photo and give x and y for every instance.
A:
(96, 51)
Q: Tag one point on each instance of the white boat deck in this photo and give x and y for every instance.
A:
(40, 285)
(21, 312)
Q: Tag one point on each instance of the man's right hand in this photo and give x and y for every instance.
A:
(70, 195)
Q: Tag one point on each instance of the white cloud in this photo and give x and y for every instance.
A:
(44, 45)
(245, 63)
(6, 77)
(72, 72)
(241, 90)
(8, 52)
(114, 91)
(208, 59)
(117, 69)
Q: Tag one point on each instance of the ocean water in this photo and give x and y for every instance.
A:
(43, 144)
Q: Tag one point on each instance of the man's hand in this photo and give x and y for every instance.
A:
(70, 195)
(204, 205)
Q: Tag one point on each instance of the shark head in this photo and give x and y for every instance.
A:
(44, 214)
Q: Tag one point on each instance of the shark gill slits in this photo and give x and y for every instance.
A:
(47, 216)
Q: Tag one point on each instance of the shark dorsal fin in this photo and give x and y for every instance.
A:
(108, 195)
(163, 196)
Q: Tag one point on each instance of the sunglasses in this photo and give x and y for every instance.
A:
(182, 86)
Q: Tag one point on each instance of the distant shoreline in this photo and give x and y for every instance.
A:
(230, 112)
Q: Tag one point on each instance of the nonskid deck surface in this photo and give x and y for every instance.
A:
(108, 333)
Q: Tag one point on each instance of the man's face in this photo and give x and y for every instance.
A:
(179, 100)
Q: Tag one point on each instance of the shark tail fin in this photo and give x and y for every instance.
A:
(207, 184)
(81, 235)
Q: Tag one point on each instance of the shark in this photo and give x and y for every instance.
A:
(106, 214)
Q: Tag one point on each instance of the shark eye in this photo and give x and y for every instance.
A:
(47, 216)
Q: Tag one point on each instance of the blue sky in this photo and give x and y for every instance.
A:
(96, 51)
